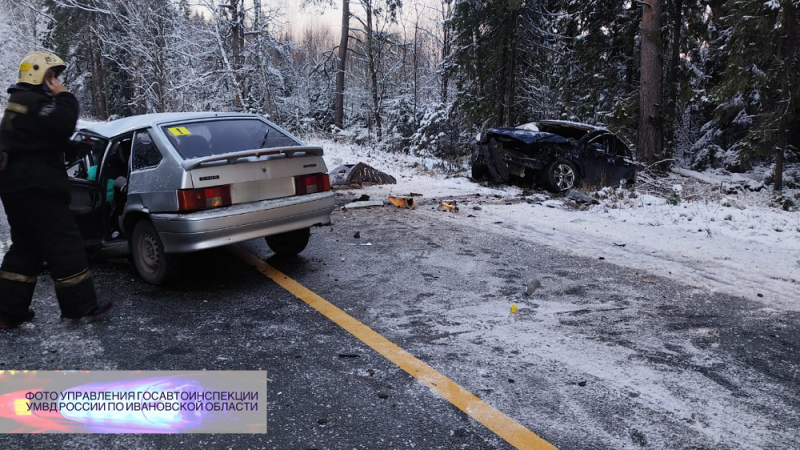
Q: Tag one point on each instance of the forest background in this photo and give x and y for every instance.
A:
(693, 83)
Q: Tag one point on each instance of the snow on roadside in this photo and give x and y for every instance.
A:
(733, 244)
(413, 173)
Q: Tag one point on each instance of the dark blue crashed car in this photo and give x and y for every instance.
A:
(554, 153)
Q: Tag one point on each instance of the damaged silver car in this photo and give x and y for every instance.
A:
(159, 186)
(554, 153)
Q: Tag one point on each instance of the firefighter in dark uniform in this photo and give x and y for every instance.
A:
(38, 121)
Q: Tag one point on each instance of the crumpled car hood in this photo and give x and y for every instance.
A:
(526, 136)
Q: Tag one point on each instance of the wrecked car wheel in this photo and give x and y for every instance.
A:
(289, 243)
(561, 176)
(479, 172)
(152, 264)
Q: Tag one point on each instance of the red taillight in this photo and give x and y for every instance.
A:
(311, 184)
(205, 198)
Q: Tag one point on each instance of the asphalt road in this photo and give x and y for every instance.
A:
(599, 357)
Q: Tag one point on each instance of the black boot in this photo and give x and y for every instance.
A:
(16, 293)
(79, 299)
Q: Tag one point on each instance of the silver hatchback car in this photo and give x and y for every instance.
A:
(158, 186)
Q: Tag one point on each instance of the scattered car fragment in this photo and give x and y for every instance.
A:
(580, 197)
(448, 207)
(557, 154)
(364, 204)
(403, 202)
(359, 174)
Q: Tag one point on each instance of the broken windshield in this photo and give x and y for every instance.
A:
(218, 137)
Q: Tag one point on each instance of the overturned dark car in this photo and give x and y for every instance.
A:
(554, 153)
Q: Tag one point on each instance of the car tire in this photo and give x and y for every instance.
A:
(289, 243)
(560, 175)
(479, 172)
(152, 263)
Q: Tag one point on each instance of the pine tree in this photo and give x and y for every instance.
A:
(760, 89)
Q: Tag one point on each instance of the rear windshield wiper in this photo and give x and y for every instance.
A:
(264, 141)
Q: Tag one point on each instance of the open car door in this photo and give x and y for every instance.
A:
(86, 202)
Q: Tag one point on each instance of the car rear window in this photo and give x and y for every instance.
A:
(218, 137)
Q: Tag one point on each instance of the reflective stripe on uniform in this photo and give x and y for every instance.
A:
(72, 280)
(17, 277)
(17, 108)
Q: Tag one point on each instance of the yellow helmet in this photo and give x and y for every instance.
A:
(35, 64)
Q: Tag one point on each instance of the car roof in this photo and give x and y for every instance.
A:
(567, 123)
(120, 126)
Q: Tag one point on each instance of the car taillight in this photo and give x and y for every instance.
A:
(311, 184)
(205, 198)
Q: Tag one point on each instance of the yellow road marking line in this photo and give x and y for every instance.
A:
(502, 425)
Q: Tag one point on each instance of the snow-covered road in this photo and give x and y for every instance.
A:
(744, 249)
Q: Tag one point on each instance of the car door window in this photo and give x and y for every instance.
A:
(596, 144)
(621, 149)
(600, 144)
(145, 152)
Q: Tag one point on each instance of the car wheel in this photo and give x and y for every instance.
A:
(289, 243)
(152, 264)
(561, 175)
(479, 172)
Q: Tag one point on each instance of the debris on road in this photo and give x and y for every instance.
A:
(448, 207)
(359, 174)
(357, 235)
(364, 204)
(348, 355)
(513, 308)
(368, 244)
(619, 245)
(532, 286)
(403, 202)
(581, 198)
(649, 281)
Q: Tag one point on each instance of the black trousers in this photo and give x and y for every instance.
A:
(43, 229)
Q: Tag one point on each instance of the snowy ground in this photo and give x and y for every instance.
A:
(716, 238)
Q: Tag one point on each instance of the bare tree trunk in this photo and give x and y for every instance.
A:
(511, 64)
(262, 67)
(672, 74)
(338, 111)
(787, 51)
(373, 71)
(415, 65)
(447, 13)
(227, 63)
(237, 44)
(99, 95)
(651, 139)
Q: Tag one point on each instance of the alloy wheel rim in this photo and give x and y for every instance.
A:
(564, 176)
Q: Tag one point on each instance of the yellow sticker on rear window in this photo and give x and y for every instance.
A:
(179, 131)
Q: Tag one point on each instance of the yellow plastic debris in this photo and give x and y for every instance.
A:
(404, 202)
(513, 308)
(448, 207)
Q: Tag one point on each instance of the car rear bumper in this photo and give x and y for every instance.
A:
(182, 233)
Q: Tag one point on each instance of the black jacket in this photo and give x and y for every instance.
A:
(35, 132)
